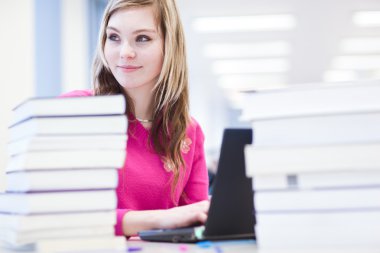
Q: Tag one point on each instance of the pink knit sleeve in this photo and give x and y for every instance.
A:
(119, 220)
(196, 188)
(77, 93)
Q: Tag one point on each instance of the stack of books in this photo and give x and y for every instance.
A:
(62, 174)
(315, 164)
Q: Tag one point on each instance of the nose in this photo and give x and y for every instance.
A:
(127, 51)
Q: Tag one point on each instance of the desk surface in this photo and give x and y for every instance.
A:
(242, 246)
(239, 246)
(135, 245)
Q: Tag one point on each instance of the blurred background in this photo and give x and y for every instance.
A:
(46, 49)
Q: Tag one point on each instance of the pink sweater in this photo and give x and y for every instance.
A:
(144, 182)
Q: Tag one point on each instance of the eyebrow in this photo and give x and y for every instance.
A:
(136, 31)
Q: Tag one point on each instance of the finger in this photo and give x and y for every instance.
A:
(202, 217)
(204, 206)
(196, 218)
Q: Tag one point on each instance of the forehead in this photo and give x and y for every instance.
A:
(134, 18)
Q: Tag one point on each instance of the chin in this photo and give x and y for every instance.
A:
(129, 86)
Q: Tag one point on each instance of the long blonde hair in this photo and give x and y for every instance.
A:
(170, 99)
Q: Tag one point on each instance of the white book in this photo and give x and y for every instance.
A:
(316, 180)
(56, 180)
(318, 99)
(76, 159)
(293, 160)
(317, 130)
(326, 218)
(57, 202)
(317, 200)
(17, 222)
(67, 142)
(100, 244)
(110, 124)
(69, 106)
(16, 238)
(359, 237)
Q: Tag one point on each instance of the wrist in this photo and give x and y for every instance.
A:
(135, 221)
(158, 219)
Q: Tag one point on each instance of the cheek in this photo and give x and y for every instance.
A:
(158, 59)
(108, 53)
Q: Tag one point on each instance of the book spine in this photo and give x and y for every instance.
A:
(314, 200)
(109, 124)
(322, 180)
(311, 219)
(318, 237)
(94, 243)
(23, 223)
(67, 160)
(259, 161)
(58, 202)
(71, 143)
(56, 180)
(307, 102)
(317, 130)
(16, 238)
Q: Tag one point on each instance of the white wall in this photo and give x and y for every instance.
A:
(16, 65)
(74, 54)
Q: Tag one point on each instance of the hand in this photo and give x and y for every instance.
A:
(184, 216)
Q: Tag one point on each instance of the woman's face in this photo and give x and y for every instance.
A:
(134, 48)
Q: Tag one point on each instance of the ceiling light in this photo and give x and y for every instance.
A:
(251, 82)
(250, 66)
(245, 23)
(237, 50)
(339, 76)
(358, 62)
(360, 45)
(367, 18)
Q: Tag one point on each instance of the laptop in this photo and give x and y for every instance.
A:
(231, 213)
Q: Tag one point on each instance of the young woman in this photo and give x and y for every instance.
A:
(141, 54)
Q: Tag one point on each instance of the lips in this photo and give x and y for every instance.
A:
(129, 68)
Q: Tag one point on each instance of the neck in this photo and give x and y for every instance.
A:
(144, 120)
(142, 101)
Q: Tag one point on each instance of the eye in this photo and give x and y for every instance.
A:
(113, 37)
(142, 38)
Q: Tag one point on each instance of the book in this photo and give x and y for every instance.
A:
(65, 245)
(55, 180)
(323, 236)
(94, 244)
(316, 180)
(67, 142)
(17, 238)
(69, 106)
(326, 218)
(313, 99)
(109, 124)
(17, 222)
(317, 130)
(317, 200)
(293, 160)
(57, 202)
(67, 159)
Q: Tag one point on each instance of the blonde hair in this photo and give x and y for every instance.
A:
(170, 100)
